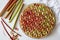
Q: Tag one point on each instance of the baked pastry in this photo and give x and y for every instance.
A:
(37, 20)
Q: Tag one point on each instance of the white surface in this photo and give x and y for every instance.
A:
(55, 35)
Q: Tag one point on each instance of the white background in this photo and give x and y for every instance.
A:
(53, 4)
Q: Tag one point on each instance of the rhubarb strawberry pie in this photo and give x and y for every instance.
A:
(37, 20)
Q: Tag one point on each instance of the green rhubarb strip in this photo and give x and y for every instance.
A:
(18, 13)
(16, 10)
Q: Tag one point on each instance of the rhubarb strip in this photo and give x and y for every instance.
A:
(14, 1)
(6, 31)
(10, 11)
(17, 16)
(15, 12)
(4, 9)
(10, 27)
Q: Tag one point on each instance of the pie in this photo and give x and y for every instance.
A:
(37, 20)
